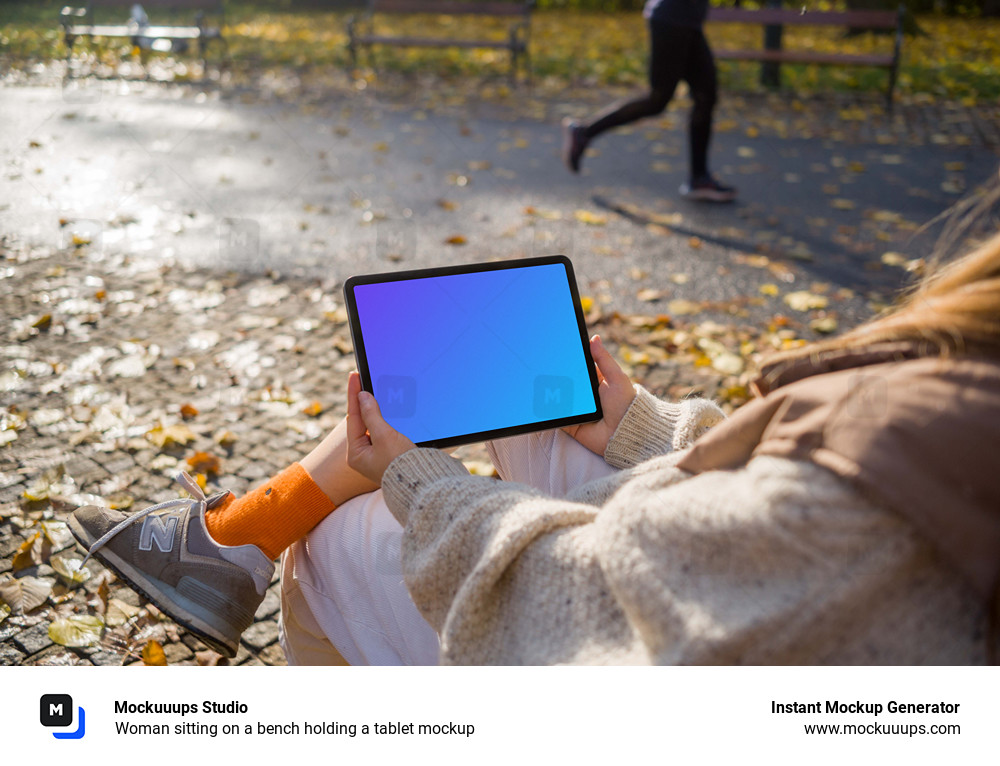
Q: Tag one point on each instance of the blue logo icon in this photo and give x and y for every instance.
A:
(57, 710)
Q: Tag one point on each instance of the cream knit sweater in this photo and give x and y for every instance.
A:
(777, 562)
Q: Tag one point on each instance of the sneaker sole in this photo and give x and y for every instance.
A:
(706, 195)
(165, 597)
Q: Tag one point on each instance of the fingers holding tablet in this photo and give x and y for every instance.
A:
(371, 442)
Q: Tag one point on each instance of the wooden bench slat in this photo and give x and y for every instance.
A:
(430, 42)
(805, 57)
(450, 8)
(874, 19)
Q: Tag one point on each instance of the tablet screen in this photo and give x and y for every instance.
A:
(466, 353)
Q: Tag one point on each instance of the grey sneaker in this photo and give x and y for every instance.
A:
(708, 189)
(166, 553)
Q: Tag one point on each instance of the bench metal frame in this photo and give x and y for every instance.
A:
(849, 19)
(361, 32)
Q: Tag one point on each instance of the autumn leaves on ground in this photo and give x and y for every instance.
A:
(132, 349)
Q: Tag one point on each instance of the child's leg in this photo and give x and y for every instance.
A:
(550, 461)
(343, 595)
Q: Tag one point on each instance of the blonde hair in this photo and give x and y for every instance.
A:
(954, 309)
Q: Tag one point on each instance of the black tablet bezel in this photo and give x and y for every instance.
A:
(473, 268)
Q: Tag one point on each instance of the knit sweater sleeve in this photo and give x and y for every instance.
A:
(477, 551)
(652, 427)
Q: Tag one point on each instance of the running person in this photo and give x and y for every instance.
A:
(679, 51)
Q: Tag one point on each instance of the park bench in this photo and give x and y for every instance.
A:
(361, 30)
(95, 20)
(862, 19)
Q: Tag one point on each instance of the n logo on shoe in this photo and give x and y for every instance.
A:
(158, 530)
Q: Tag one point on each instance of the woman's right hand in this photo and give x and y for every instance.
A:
(616, 392)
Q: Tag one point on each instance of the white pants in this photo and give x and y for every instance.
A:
(343, 599)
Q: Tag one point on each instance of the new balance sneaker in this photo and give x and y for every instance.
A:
(708, 189)
(574, 144)
(166, 553)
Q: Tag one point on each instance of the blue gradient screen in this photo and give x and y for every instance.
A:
(468, 353)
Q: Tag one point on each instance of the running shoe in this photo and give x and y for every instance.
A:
(708, 189)
(166, 553)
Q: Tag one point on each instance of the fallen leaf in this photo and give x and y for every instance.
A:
(120, 612)
(313, 409)
(805, 301)
(209, 658)
(455, 239)
(153, 654)
(175, 434)
(69, 569)
(893, 259)
(590, 218)
(448, 205)
(843, 204)
(204, 462)
(695, 243)
(189, 411)
(649, 295)
(32, 552)
(824, 325)
(4, 611)
(681, 307)
(77, 631)
(769, 289)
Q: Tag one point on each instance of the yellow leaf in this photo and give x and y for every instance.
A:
(448, 205)
(695, 243)
(805, 301)
(204, 462)
(314, 409)
(455, 239)
(77, 631)
(893, 259)
(842, 204)
(769, 289)
(153, 654)
(586, 303)
(824, 325)
(681, 307)
(175, 434)
(649, 295)
(589, 218)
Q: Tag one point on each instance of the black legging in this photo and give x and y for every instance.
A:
(677, 53)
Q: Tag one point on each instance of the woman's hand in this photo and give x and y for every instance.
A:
(616, 392)
(371, 442)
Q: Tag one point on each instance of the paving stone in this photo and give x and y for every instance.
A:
(177, 653)
(33, 640)
(260, 634)
(273, 655)
(270, 605)
(10, 655)
(105, 658)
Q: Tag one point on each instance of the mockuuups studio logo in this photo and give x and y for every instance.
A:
(553, 396)
(397, 395)
(56, 710)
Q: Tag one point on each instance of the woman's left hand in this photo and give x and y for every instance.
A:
(371, 442)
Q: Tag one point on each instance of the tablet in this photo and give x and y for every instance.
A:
(462, 354)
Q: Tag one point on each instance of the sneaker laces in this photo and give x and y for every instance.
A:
(197, 500)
